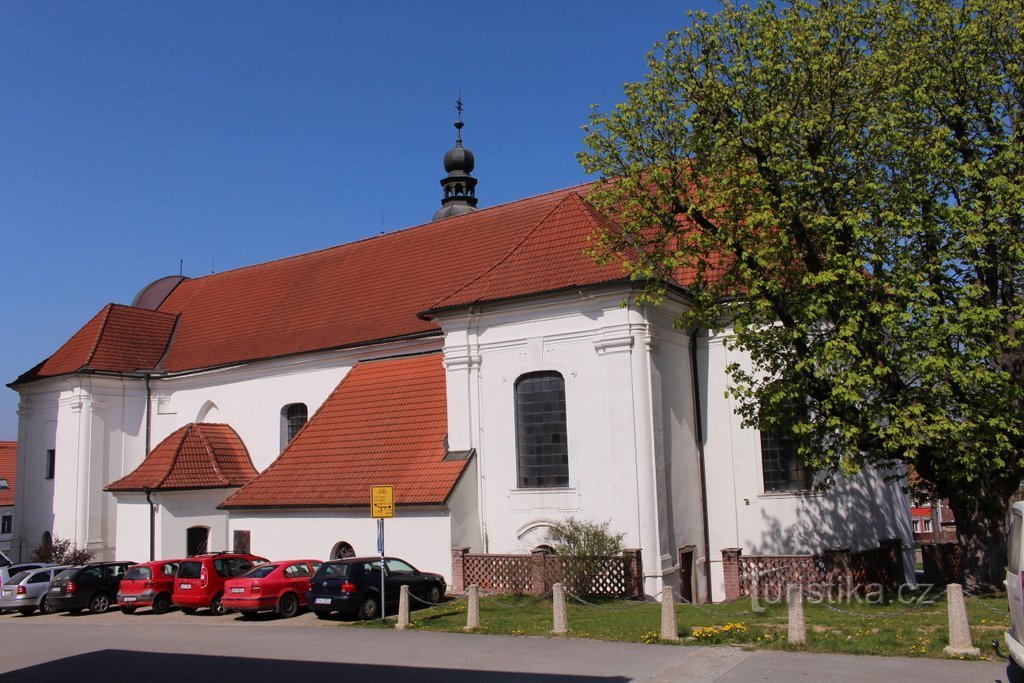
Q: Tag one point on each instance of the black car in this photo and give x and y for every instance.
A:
(352, 586)
(92, 585)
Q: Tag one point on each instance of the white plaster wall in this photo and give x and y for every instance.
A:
(176, 511)
(463, 511)
(857, 512)
(420, 536)
(600, 348)
(133, 528)
(34, 495)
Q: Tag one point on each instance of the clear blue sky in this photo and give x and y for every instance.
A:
(134, 134)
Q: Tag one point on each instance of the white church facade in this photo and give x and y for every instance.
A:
(481, 364)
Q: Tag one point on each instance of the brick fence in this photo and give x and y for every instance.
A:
(534, 574)
(837, 571)
(941, 563)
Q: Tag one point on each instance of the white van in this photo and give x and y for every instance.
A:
(1014, 589)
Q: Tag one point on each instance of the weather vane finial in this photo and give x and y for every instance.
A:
(458, 122)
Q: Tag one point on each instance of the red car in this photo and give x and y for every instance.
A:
(148, 584)
(200, 579)
(278, 586)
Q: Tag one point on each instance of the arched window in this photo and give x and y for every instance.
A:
(197, 539)
(541, 434)
(293, 416)
(342, 550)
(782, 468)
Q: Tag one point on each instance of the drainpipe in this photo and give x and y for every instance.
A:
(699, 429)
(152, 514)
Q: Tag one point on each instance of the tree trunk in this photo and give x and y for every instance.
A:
(981, 532)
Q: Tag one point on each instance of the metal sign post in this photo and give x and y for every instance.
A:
(382, 504)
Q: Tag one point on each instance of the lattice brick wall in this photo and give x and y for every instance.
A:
(505, 573)
(767, 576)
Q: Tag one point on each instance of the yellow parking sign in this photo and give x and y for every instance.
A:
(382, 501)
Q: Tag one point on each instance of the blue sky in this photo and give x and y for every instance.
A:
(136, 135)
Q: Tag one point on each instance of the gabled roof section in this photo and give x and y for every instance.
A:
(357, 293)
(385, 423)
(198, 456)
(550, 258)
(117, 339)
(8, 470)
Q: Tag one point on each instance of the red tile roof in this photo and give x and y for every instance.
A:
(385, 423)
(197, 456)
(118, 339)
(357, 293)
(8, 470)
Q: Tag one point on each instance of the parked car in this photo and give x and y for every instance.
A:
(352, 586)
(1015, 583)
(26, 591)
(199, 582)
(91, 586)
(148, 584)
(9, 570)
(278, 586)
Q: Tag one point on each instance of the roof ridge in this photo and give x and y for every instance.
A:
(201, 433)
(173, 460)
(572, 189)
(511, 252)
(99, 335)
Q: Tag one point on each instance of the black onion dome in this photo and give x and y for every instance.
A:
(458, 158)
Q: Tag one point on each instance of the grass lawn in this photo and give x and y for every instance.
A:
(910, 630)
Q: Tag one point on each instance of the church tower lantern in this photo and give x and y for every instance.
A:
(459, 186)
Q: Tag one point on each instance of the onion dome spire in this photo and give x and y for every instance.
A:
(459, 186)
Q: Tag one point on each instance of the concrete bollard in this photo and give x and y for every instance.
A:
(959, 628)
(669, 628)
(473, 608)
(797, 628)
(558, 605)
(403, 609)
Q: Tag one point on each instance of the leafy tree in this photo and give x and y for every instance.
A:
(583, 545)
(839, 184)
(61, 551)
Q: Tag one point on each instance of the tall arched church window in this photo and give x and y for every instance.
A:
(293, 416)
(542, 446)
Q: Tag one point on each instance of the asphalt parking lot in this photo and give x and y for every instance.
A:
(145, 616)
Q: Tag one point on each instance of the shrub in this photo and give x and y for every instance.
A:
(582, 545)
(61, 551)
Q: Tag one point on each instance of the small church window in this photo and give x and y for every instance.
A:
(541, 433)
(781, 465)
(51, 463)
(293, 416)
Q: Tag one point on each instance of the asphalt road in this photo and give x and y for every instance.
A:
(113, 647)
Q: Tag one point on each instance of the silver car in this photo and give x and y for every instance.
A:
(26, 591)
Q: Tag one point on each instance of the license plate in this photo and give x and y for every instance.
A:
(7, 591)
(185, 586)
(129, 598)
(55, 589)
(237, 590)
(322, 601)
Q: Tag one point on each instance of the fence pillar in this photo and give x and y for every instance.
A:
(838, 572)
(894, 552)
(538, 573)
(796, 631)
(959, 628)
(403, 609)
(561, 622)
(473, 608)
(669, 627)
(459, 569)
(634, 573)
(731, 567)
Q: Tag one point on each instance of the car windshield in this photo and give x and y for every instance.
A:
(138, 573)
(190, 570)
(259, 572)
(18, 578)
(333, 571)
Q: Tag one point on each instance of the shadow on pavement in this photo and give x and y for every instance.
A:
(112, 666)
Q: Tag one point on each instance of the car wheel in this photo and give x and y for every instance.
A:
(321, 614)
(289, 606)
(434, 595)
(44, 606)
(161, 604)
(216, 606)
(27, 611)
(369, 608)
(99, 603)
(127, 610)
(188, 610)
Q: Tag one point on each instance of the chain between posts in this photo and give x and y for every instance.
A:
(977, 599)
(918, 604)
(626, 604)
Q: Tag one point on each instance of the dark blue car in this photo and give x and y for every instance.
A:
(352, 586)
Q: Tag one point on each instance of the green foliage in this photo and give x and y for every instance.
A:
(583, 546)
(61, 551)
(841, 186)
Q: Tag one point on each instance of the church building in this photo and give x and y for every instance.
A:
(480, 363)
